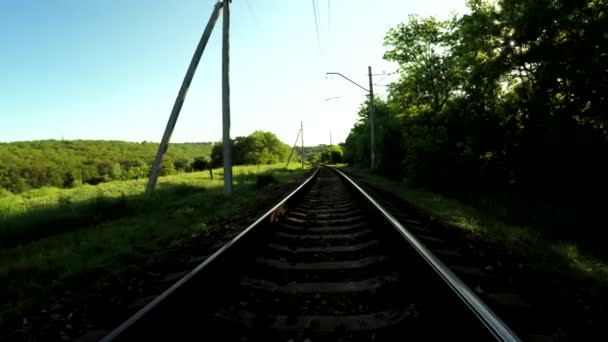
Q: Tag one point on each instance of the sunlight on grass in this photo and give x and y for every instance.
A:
(52, 235)
(338, 165)
(583, 264)
(467, 223)
(558, 257)
(49, 196)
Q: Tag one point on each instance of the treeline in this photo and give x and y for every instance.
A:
(66, 164)
(69, 163)
(507, 103)
(325, 154)
(257, 148)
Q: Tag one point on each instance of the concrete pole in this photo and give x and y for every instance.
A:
(293, 149)
(181, 96)
(227, 147)
(372, 119)
(302, 130)
(372, 113)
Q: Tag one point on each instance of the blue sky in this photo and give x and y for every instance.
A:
(111, 69)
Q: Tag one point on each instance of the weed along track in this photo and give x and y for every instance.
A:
(326, 264)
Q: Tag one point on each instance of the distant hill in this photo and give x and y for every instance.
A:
(68, 163)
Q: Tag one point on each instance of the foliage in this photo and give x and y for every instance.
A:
(560, 259)
(61, 236)
(184, 164)
(264, 180)
(421, 47)
(505, 104)
(312, 154)
(388, 138)
(201, 163)
(167, 168)
(257, 148)
(67, 164)
(332, 155)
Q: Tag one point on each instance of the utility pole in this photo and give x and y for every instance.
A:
(302, 130)
(294, 147)
(372, 113)
(181, 96)
(331, 156)
(227, 147)
(372, 118)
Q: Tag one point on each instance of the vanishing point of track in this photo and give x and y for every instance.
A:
(326, 264)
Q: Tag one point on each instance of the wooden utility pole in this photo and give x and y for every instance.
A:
(227, 147)
(372, 118)
(293, 148)
(181, 96)
(302, 130)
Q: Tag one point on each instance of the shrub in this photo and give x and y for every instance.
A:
(264, 179)
(5, 193)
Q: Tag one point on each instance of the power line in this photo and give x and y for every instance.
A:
(318, 10)
(256, 23)
(315, 13)
(387, 75)
(328, 17)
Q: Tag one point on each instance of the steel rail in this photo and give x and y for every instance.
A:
(163, 296)
(492, 322)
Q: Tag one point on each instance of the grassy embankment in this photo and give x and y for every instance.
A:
(559, 259)
(50, 238)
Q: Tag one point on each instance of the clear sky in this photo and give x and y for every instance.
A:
(111, 69)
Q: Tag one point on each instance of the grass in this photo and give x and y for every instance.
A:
(57, 237)
(560, 259)
(46, 211)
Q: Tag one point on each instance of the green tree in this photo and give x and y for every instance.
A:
(183, 165)
(332, 155)
(389, 146)
(203, 163)
(257, 148)
(217, 158)
(506, 102)
(68, 163)
(421, 47)
(167, 168)
(266, 148)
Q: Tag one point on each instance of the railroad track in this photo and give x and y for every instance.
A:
(326, 264)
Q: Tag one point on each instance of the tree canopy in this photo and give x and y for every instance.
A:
(257, 148)
(508, 100)
(34, 164)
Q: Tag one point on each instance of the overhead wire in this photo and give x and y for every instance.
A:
(328, 17)
(385, 76)
(328, 42)
(254, 17)
(315, 10)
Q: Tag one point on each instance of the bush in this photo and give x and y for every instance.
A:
(183, 165)
(425, 160)
(264, 179)
(201, 163)
(332, 155)
(5, 193)
(167, 168)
